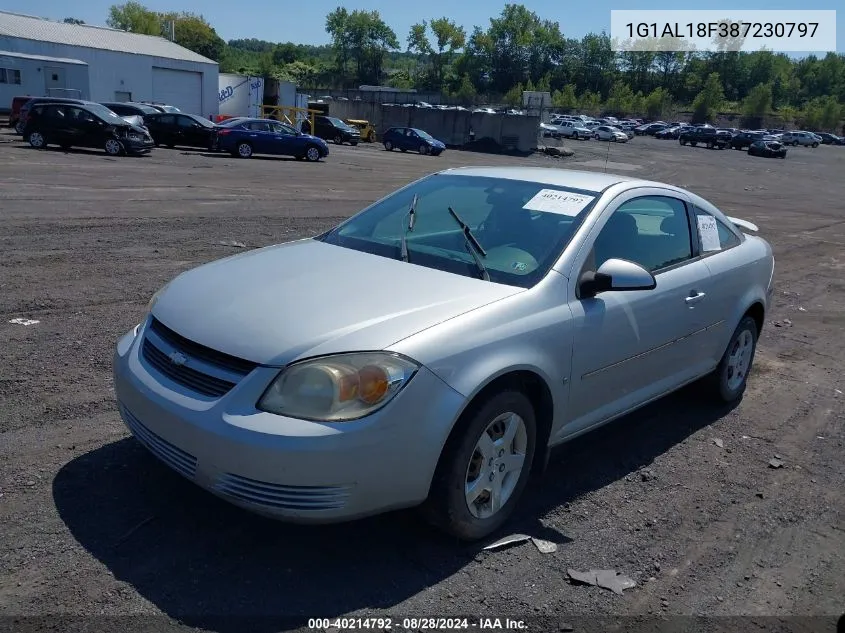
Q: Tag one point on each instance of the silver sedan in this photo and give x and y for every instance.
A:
(431, 349)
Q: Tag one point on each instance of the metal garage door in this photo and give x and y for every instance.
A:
(180, 88)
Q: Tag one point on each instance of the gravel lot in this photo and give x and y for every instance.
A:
(91, 524)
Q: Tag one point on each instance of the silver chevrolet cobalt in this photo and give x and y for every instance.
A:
(432, 348)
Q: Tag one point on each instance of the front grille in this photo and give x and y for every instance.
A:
(186, 376)
(181, 461)
(201, 352)
(282, 497)
(200, 363)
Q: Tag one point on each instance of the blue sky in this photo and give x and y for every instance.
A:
(304, 21)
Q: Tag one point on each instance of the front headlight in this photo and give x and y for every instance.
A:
(337, 388)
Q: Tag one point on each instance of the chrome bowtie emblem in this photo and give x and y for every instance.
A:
(178, 359)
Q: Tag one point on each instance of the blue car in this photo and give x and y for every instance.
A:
(411, 138)
(244, 137)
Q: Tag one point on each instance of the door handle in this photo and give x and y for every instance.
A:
(694, 298)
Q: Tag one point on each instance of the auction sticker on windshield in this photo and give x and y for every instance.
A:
(562, 202)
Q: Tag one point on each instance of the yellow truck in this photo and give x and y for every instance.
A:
(368, 132)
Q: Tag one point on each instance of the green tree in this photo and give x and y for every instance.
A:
(709, 100)
(822, 113)
(620, 99)
(466, 91)
(72, 21)
(135, 17)
(590, 102)
(449, 38)
(513, 97)
(545, 83)
(657, 103)
(638, 103)
(194, 33)
(756, 105)
(363, 37)
(565, 99)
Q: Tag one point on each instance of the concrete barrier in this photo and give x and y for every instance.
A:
(512, 133)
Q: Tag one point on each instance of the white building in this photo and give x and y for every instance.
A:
(121, 66)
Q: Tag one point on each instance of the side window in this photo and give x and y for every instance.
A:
(184, 121)
(652, 231)
(167, 119)
(713, 234)
(278, 128)
(259, 126)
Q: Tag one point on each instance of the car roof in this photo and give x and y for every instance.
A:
(587, 180)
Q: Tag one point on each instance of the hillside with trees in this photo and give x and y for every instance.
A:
(519, 50)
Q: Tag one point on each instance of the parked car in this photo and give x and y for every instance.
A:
(669, 133)
(365, 128)
(708, 136)
(413, 139)
(246, 137)
(550, 130)
(161, 107)
(800, 138)
(129, 108)
(575, 130)
(829, 139)
(32, 101)
(182, 130)
(650, 129)
(744, 139)
(15, 113)
(769, 149)
(84, 125)
(540, 305)
(333, 129)
(608, 133)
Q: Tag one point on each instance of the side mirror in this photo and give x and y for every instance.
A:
(615, 274)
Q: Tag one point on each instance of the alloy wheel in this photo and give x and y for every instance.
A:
(36, 140)
(495, 466)
(739, 359)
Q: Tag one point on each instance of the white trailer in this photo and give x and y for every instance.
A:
(240, 95)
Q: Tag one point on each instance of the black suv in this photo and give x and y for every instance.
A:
(26, 107)
(709, 136)
(83, 125)
(744, 140)
(333, 129)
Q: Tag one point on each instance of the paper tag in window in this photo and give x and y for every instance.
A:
(709, 232)
(562, 202)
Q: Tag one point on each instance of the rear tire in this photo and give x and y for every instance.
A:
(19, 127)
(388, 146)
(731, 375)
(463, 463)
(37, 140)
(244, 150)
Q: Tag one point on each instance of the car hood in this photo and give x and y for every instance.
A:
(307, 298)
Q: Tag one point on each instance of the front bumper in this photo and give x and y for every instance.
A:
(284, 467)
(137, 147)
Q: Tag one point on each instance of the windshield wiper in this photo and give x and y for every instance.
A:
(472, 245)
(412, 215)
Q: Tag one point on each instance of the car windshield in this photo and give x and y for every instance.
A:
(337, 122)
(522, 226)
(423, 134)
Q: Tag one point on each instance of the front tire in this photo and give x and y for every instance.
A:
(312, 154)
(19, 127)
(338, 140)
(484, 467)
(113, 147)
(815, 145)
(423, 149)
(731, 375)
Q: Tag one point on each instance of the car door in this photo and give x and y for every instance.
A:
(283, 140)
(167, 130)
(633, 346)
(259, 136)
(84, 128)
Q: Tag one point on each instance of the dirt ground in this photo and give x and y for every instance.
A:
(92, 525)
